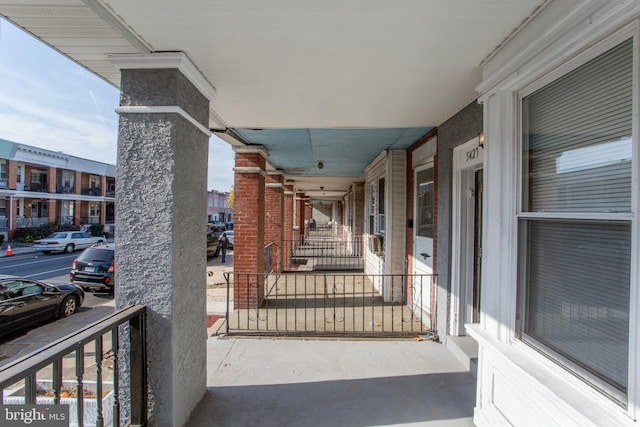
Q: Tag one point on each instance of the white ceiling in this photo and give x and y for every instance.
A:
(386, 67)
(296, 64)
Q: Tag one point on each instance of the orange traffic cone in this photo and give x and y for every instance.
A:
(9, 251)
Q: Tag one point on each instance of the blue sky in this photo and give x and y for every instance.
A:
(48, 101)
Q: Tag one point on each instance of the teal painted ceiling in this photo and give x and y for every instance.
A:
(343, 152)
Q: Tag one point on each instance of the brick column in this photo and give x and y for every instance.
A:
(274, 217)
(52, 180)
(12, 172)
(163, 144)
(77, 183)
(249, 224)
(300, 214)
(308, 210)
(103, 211)
(12, 206)
(77, 212)
(287, 226)
(52, 210)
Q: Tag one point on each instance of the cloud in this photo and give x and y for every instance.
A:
(221, 163)
(50, 102)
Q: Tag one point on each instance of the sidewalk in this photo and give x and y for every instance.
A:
(217, 290)
(17, 249)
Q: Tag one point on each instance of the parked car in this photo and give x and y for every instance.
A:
(95, 268)
(217, 225)
(67, 241)
(26, 302)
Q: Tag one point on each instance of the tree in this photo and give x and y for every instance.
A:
(230, 198)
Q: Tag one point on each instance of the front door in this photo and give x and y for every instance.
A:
(423, 241)
(466, 235)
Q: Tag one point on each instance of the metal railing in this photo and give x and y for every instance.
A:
(317, 253)
(326, 304)
(268, 257)
(24, 381)
(22, 222)
(320, 230)
(91, 191)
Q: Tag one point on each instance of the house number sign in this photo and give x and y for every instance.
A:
(472, 154)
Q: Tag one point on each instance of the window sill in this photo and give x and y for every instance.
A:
(545, 378)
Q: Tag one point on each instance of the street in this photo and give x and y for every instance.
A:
(38, 266)
(52, 269)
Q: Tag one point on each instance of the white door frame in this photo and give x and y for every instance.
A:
(424, 298)
(467, 158)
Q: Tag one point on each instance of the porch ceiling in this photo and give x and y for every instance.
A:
(330, 81)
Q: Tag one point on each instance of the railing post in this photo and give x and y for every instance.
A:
(138, 360)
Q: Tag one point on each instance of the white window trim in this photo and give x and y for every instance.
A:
(633, 393)
(422, 167)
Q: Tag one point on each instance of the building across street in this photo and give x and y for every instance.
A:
(39, 186)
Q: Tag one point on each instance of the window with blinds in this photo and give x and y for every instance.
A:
(575, 220)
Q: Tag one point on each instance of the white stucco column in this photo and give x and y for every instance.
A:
(161, 221)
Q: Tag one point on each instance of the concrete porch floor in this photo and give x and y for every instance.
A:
(353, 383)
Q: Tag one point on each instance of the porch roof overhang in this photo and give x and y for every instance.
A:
(333, 82)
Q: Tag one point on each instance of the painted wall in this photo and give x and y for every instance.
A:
(463, 126)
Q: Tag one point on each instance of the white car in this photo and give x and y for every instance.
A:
(67, 241)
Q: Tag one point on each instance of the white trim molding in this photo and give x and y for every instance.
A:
(162, 109)
(247, 169)
(166, 60)
(259, 149)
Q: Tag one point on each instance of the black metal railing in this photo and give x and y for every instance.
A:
(321, 230)
(91, 191)
(327, 304)
(316, 253)
(60, 373)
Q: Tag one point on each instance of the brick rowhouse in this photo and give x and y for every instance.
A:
(249, 226)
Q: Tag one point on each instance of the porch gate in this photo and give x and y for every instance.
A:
(327, 304)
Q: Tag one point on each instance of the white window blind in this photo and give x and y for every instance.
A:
(578, 138)
(577, 158)
(578, 294)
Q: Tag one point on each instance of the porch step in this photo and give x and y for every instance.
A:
(465, 349)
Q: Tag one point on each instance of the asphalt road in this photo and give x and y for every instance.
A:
(52, 269)
(38, 266)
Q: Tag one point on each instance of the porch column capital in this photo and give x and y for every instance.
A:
(164, 60)
(257, 149)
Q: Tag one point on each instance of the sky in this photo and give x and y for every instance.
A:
(49, 101)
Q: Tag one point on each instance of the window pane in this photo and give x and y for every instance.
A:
(578, 293)
(424, 219)
(577, 134)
